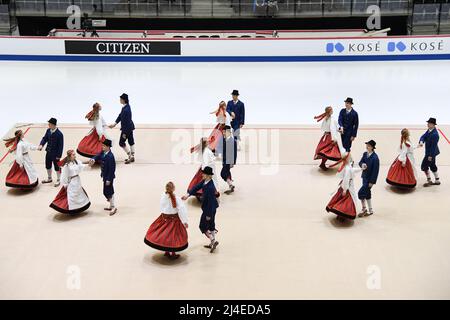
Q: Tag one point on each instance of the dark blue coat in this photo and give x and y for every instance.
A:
(431, 140)
(209, 200)
(370, 175)
(239, 113)
(229, 153)
(349, 122)
(108, 163)
(55, 143)
(125, 118)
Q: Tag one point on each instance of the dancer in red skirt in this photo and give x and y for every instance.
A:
(402, 172)
(72, 198)
(344, 203)
(208, 159)
(223, 119)
(91, 145)
(168, 232)
(330, 144)
(22, 174)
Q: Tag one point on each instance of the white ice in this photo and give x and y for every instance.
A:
(406, 92)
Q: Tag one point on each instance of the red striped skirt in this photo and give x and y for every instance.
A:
(167, 233)
(327, 149)
(90, 146)
(61, 203)
(18, 178)
(400, 176)
(342, 205)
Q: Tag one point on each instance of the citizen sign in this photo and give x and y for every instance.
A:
(123, 47)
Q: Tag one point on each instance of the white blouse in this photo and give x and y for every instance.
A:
(330, 125)
(226, 120)
(167, 208)
(99, 125)
(406, 152)
(23, 147)
(208, 159)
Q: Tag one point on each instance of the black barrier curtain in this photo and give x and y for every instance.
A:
(425, 17)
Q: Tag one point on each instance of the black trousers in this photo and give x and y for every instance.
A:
(50, 160)
(429, 165)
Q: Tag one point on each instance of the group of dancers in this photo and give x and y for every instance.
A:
(72, 198)
(168, 232)
(335, 145)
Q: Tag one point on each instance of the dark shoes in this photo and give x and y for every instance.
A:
(214, 246)
(129, 160)
(430, 183)
(229, 191)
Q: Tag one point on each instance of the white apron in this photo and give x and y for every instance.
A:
(23, 159)
(76, 197)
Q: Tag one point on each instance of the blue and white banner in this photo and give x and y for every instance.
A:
(219, 50)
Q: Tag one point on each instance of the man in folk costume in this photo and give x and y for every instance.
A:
(348, 124)
(229, 158)
(127, 128)
(370, 164)
(55, 144)
(22, 174)
(209, 207)
(236, 108)
(330, 144)
(430, 139)
(108, 164)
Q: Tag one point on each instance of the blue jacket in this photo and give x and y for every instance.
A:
(349, 122)
(229, 153)
(373, 167)
(431, 140)
(55, 143)
(209, 200)
(125, 118)
(108, 165)
(239, 113)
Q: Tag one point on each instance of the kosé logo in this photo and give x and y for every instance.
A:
(331, 47)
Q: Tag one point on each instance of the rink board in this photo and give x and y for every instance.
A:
(225, 50)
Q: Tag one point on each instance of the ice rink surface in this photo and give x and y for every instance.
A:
(276, 240)
(385, 92)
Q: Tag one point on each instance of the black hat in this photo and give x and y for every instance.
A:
(349, 100)
(124, 96)
(235, 92)
(371, 143)
(227, 128)
(208, 171)
(432, 120)
(107, 143)
(53, 121)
